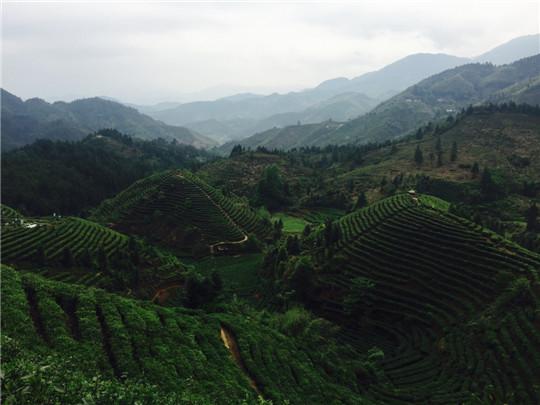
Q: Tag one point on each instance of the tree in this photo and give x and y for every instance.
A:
(86, 258)
(532, 217)
(40, 256)
(217, 281)
(475, 170)
(271, 188)
(487, 186)
(438, 144)
(439, 159)
(103, 261)
(67, 257)
(361, 202)
(453, 153)
(293, 245)
(418, 155)
(306, 231)
(302, 278)
(236, 151)
(133, 248)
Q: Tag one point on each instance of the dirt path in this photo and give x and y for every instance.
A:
(230, 343)
(162, 294)
(213, 246)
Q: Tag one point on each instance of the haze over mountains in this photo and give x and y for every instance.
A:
(433, 98)
(25, 121)
(339, 99)
(381, 105)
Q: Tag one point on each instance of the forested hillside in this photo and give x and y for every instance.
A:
(69, 177)
(431, 99)
(23, 122)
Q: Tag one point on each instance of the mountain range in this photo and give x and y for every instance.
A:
(25, 121)
(429, 100)
(340, 99)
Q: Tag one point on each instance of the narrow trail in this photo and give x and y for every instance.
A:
(162, 294)
(214, 245)
(230, 343)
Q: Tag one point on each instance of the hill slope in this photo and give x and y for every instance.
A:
(178, 209)
(431, 99)
(515, 49)
(70, 177)
(80, 251)
(115, 350)
(450, 304)
(24, 122)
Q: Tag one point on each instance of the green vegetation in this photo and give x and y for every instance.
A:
(291, 224)
(62, 343)
(80, 251)
(68, 177)
(179, 210)
(440, 296)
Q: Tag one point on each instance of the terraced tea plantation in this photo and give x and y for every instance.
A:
(453, 307)
(40, 244)
(20, 243)
(185, 356)
(178, 209)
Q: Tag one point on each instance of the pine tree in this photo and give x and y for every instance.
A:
(418, 155)
(453, 153)
(439, 159)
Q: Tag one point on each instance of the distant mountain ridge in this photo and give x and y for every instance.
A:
(241, 115)
(431, 99)
(25, 121)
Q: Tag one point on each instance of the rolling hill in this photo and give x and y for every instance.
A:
(179, 210)
(106, 348)
(68, 178)
(449, 303)
(340, 99)
(76, 250)
(25, 121)
(433, 98)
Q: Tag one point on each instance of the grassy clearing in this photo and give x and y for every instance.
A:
(239, 273)
(290, 224)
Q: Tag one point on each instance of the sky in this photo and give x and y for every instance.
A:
(149, 52)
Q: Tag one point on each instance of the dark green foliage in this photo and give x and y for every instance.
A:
(532, 217)
(454, 152)
(236, 151)
(271, 189)
(418, 156)
(488, 187)
(68, 177)
(67, 258)
(303, 278)
(201, 289)
(103, 260)
(293, 245)
(361, 202)
(475, 170)
(397, 271)
(40, 256)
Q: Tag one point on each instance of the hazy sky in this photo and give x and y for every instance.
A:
(147, 52)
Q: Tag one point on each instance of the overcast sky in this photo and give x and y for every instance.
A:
(146, 52)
